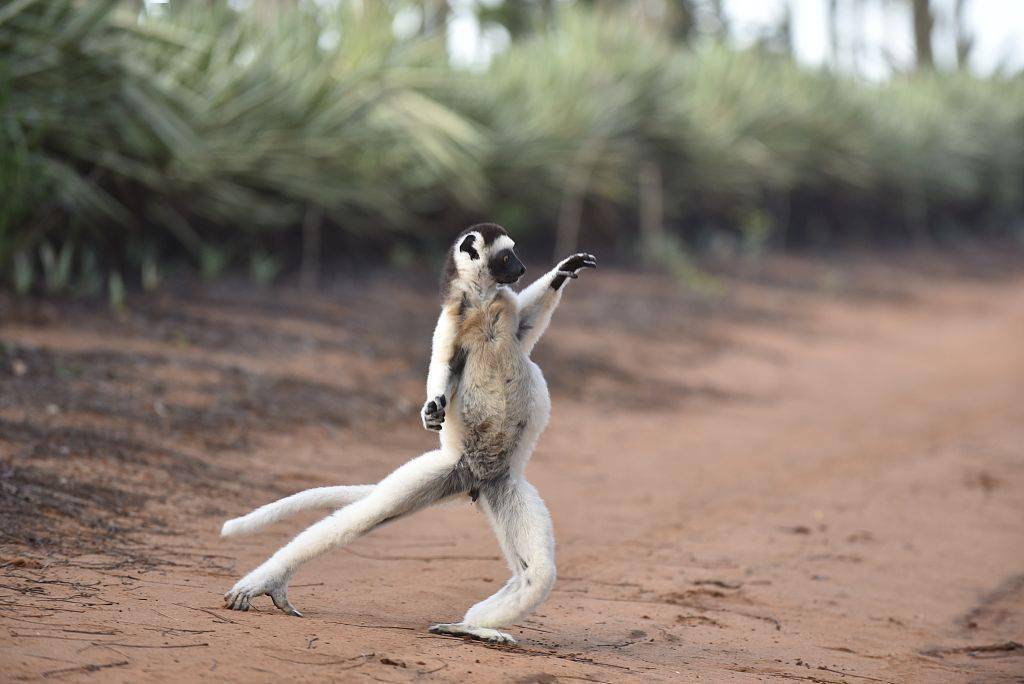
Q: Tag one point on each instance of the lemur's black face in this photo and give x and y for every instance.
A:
(506, 267)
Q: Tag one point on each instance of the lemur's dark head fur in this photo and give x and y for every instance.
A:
(482, 253)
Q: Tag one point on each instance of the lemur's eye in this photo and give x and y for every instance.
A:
(505, 260)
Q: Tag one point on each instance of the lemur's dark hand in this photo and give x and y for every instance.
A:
(571, 266)
(433, 413)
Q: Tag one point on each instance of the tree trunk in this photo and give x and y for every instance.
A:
(309, 270)
(652, 211)
(833, 32)
(924, 21)
(570, 214)
(435, 17)
(964, 39)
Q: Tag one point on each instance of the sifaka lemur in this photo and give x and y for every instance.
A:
(490, 403)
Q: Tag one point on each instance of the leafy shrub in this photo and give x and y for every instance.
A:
(210, 136)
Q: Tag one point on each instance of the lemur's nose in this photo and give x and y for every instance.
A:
(522, 270)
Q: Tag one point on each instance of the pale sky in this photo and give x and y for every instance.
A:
(885, 35)
(997, 26)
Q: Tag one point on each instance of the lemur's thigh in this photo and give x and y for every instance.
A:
(415, 485)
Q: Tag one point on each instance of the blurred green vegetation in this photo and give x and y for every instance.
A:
(211, 138)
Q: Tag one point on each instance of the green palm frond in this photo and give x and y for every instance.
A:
(208, 131)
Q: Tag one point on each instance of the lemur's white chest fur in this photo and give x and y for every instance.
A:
(495, 399)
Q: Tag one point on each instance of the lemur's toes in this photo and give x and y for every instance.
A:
(459, 629)
(280, 599)
(236, 600)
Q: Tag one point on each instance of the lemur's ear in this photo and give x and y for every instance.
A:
(468, 248)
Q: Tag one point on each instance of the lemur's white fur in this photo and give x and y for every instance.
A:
(312, 499)
(514, 508)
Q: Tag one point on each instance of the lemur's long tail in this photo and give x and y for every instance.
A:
(310, 499)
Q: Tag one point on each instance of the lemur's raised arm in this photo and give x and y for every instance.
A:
(538, 301)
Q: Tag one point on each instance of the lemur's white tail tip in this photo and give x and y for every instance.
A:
(232, 528)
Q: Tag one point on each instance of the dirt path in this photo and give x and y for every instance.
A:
(807, 483)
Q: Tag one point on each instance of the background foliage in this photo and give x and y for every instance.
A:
(206, 137)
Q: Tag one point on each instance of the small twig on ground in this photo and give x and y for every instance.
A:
(584, 679)
(1003, 647)
(83, 668)
(850, 674)
(110, 643)
(178, 631)
(353, 624)
(436, 669)
(219, 618)
(601, 582)
(48, 636)
(766, 618)
(519, 650)
(364, 656)
(718, 583)
(421, 559)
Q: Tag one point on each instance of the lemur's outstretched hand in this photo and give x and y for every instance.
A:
(571, 266)
(433, 413)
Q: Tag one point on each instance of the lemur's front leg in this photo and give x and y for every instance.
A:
(442, 376)
(538, 301)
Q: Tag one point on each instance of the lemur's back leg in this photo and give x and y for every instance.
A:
(523, 527)
(310, 499)
(424, 480)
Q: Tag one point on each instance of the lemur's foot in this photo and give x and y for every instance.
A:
(257, 583)
(480, 633)
(433, 413)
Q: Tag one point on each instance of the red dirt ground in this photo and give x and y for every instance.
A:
(818, 477)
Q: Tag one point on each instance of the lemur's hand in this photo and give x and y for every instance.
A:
(571, 266)
(433, 413)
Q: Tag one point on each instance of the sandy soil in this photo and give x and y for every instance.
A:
(819, 477)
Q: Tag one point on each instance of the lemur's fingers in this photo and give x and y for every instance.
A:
(436, 405)
(577, 262)
(280, 599)
(433, 413)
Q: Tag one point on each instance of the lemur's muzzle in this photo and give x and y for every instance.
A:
(507, 268)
